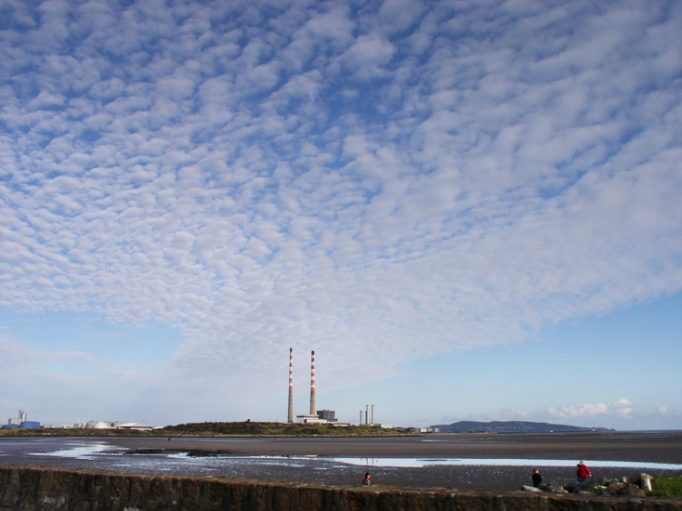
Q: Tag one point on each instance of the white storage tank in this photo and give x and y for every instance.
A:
(97, 425)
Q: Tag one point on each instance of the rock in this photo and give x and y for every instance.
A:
(616, 488)
(628, 489)
(556, 488)
(645, 482)
(632, 490)
(533, 489)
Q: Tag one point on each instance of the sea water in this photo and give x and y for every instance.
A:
(99, 450)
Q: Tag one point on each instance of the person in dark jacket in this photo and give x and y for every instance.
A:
(537, 478)
(367, 480)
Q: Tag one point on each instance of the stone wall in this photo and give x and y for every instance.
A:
(49, 489)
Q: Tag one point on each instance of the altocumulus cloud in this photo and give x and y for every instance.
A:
(376, 181)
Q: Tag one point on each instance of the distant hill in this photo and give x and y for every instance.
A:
(510, 427)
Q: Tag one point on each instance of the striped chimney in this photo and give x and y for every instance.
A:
(312, 383)
(290, 417)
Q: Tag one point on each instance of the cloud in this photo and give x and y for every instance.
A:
(368, 54)
(622, 408)
(581, 410)
(399, 15)
(18, 356)
(380, 184)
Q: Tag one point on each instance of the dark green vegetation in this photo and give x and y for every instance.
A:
(215, 428)
(668, 487)
(272, 428)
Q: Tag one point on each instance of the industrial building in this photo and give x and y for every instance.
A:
(100, 425)
(327, 415)
(132, 426)
(21, 422)
(314, 416)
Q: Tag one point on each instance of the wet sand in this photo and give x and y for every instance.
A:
(624, 446)
(660, 447)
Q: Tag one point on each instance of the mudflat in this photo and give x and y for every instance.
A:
(657, 447)
(318, 459)
(662, 447)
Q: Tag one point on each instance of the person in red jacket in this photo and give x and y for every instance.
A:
(582, 472)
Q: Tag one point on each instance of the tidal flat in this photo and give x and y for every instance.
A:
(498, 462)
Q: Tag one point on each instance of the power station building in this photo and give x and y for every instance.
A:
(314, 416)
(21, 422)
(327, 415)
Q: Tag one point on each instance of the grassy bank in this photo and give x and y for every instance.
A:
(668, 487)
(215, 428)
(273, 428)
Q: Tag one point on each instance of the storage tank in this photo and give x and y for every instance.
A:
(30, 425)
(97, 425)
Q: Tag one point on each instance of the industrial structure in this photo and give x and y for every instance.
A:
(130, 426)
(368, 418)
(290, 416)
(327, 415)
(312, 383)
(314, 416)
(21, 422)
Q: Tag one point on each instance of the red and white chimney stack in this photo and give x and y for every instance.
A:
(313, 411)
(290, 416)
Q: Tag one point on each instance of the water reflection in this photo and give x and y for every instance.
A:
(99, 450)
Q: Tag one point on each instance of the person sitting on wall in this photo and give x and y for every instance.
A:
(537, 478)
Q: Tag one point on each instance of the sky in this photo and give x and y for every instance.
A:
(469, 210)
